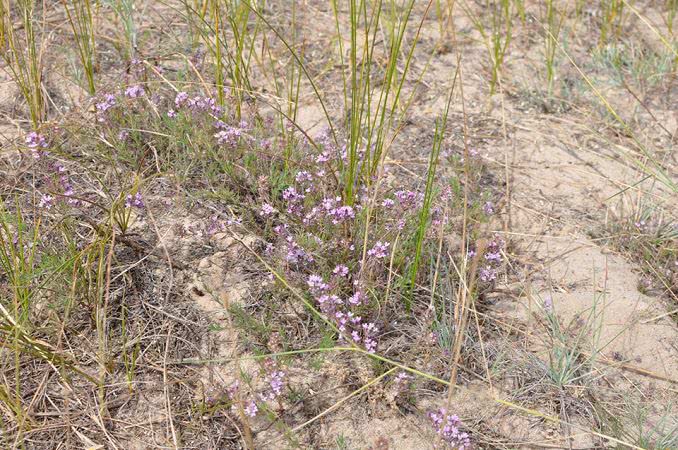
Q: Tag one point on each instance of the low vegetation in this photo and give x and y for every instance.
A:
(247, 224)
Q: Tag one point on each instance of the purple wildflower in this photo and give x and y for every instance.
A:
(379, 251)
(388, 203)
(233, 221)
(322, 158)
(294, 199)
(291, 195)
(232, 390)
(402, 377)
(548, 305)
(328, 303)
(488, 208)
(493, 257)
(229, 135)
(408, 199)
(202, 104)
(281, 229)
(356, 299)
(180, 99)
(316, 283)
(267, 210)
(304, 176)
(311, 216)
(438, 216)
(46, 201)
(275, 382)
(107, 103)
(68, 189)
(295, 253)
(341, 214)
(487, 274)
(448, 427)
(369, 330)
(135, 200)
(340, 271)
(342, 320)
(495, 245)
(135, 91)
(251, 409)
(34, 141)
(103, 106)
(215, 225)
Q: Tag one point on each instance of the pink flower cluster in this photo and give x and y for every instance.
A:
(46, 202)
(108, 101)
(296, 254)
(294, 200)
(448, 427)
(340, 270)
(493, 260)
(379, 251)
(35, 141)
(135, 91)
(135, 200)
(66, 185)
(342, 312)
(314, 224)
(267, 210)
(229, 136)
(409, 199)
(197, 104)
(341, 214)
(275, 385)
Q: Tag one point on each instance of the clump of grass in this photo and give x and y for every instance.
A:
(641, 424)
(237, 49)
(27, 270)
(573, 352)
(497, 35)
(612, 17)
(125, 11)
(554, 21)
(370, 126)
(628, 61)
(80, 17)
(424, 215)
(649, 237)
(671, 10)
(22, 53)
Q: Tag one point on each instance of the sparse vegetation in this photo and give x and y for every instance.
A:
(254, 224)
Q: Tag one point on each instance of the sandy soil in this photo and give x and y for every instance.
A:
(561, 174)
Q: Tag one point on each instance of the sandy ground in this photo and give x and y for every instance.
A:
(563, 182)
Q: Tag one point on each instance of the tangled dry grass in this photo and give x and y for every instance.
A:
(324, 224)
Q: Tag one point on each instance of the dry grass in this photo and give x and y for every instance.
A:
(532, 292)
